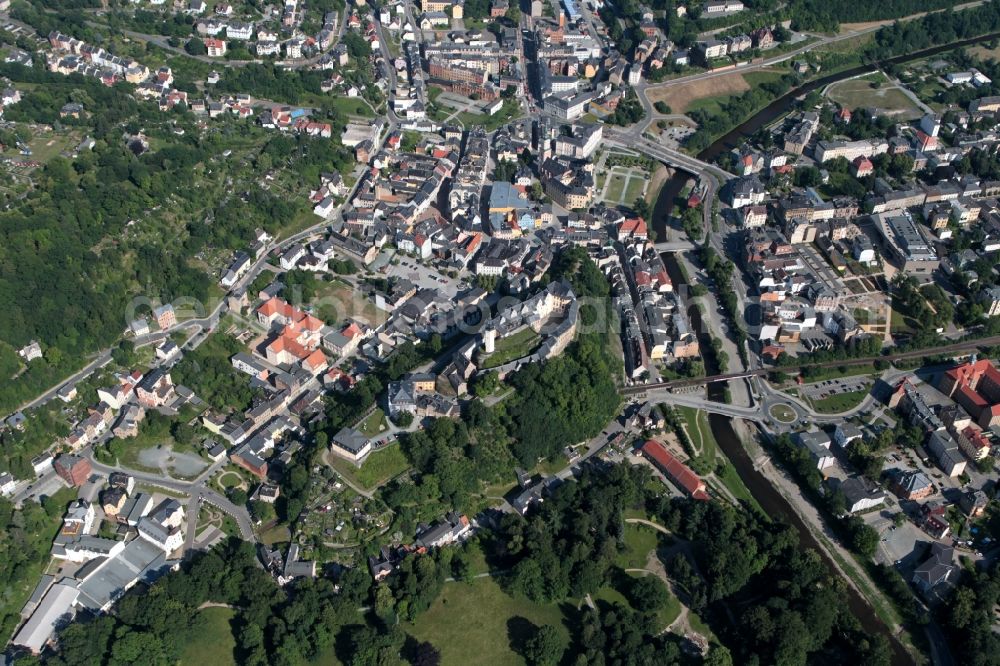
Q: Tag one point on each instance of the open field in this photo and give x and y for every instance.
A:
(866, 92)
(213, 642)
(680, 98)
(475, 623)
(337, 300)
(709, 94)
(374, 424)
(730, 478)
(378, 468)
(639, 541)
(624, 185)
(783, 413)
(615, 187)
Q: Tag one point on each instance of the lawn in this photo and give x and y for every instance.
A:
(699, 431)
(900, 323)
(615, 187)
(513, 347)
(475, 623)
(378, 468)
(374, 424)
(873, 91)
(16, 593)
(277, 534)
(666, 615)
(840, 402)
(46, 146)
(783, 413)
(213, 641)
(639, 541)
(511, 110)
(337, 300)
(348, 106)
(710, 94)
(634, 189)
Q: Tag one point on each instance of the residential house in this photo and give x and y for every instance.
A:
(860, 495)
(936, 570)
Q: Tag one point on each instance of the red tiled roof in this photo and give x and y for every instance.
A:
(678, 472)
(315, 360)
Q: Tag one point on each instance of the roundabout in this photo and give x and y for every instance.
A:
(782, 412)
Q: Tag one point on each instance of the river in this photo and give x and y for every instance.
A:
(770, 500)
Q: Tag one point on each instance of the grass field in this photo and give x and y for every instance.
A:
(374, 424)
(710, 94)
(336, 301)
(380, 466)
(213, 642)
(873, 91)
(639, 541)
(475, 623)
(783, 413)
(47, 145)
(511, 110)
(699, 431)
(349, 106)
(513, 347)
(615, 187)
(634, 189)
(666, 615)
(900, 323)
(624, 185)
(15, 594)
(840, 402)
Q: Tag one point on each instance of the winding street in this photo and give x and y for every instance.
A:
(196, 488)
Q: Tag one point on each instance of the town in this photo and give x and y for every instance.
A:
(611, 331)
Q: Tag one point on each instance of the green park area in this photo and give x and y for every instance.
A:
(477, 623)
(213, 641)
(640, 540)
(374, 424)
(782, 413)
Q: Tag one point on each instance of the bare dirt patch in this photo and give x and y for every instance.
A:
(679, 98)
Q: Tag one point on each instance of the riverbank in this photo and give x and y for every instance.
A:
(778, 506)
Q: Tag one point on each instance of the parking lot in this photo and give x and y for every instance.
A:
(831, 387)
(425, 277)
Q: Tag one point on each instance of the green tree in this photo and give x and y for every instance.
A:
(238, 496)
(544, 647)
(195, 47)
(640, 207)
(648, 594)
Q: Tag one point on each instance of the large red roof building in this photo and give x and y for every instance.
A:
(976, 387)
(678, 473)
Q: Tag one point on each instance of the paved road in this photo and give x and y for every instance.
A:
(194, 488)
(633, 140)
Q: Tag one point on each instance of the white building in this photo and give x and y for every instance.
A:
(164, 526)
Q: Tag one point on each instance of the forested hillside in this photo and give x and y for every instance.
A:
(97, 229)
